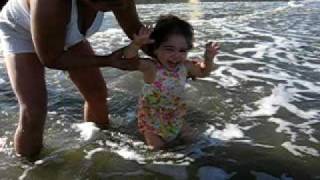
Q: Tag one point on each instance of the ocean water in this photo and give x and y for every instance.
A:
(258, 112)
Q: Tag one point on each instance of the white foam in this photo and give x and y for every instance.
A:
(2, 81)
(259, 49)
(92, 152)
(284, 127)
(295, 4)
(263, 145)
(88, 130)
(300, 150)
(280, 97)
(129, 154)
(3, 141)
(231, 131)
(307, 129)
(6, 146)
(312, 87)
(223, 80)
(111, 144)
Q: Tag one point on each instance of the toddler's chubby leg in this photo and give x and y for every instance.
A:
(189, 134)
(154, 140)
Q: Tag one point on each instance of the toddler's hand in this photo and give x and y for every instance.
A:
(212, 50)
(142, 38)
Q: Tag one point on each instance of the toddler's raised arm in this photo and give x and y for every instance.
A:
(140, 39)
(203, 69)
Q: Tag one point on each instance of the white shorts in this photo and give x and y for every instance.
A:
(14, 34)
(13, 41)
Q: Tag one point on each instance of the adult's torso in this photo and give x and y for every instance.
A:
(82, 22)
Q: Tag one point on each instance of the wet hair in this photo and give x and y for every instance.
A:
(168, 25)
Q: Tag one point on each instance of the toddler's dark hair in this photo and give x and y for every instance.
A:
(168, 25)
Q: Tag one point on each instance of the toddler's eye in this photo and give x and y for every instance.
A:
(169, 49)
(183, 50)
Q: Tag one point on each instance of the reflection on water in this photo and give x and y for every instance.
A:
(196, 11)
(258, 111)
(160, 1)
(193, 1)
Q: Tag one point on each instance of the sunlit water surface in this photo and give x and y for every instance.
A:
(258, 112)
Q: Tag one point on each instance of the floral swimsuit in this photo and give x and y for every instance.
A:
(161, 105)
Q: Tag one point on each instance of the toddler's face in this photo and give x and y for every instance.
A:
(172, 52)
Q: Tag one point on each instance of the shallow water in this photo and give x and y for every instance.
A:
(258, 112)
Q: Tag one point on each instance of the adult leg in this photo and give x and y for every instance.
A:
(27, 79)
(92, 87)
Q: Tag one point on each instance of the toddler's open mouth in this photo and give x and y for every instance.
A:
(172, 64)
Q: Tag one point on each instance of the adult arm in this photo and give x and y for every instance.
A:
(128, 18)
(129, 21)
(48, 28)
